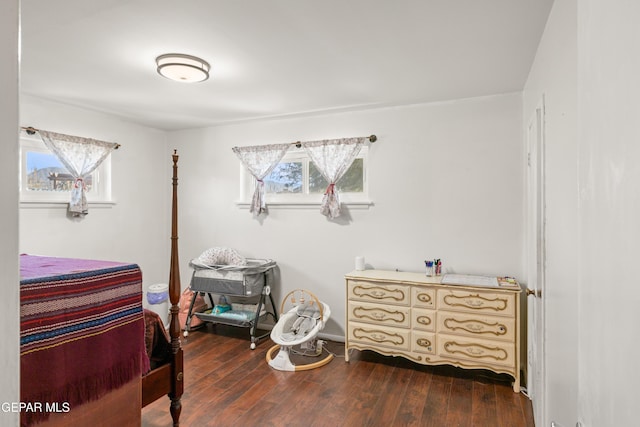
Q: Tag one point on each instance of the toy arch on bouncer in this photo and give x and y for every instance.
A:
(299, 325)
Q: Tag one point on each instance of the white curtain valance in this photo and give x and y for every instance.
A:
(260, 160)
(333, 157)
(80, 156)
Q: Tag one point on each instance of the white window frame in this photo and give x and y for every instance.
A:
(305, 199)
(100, 193)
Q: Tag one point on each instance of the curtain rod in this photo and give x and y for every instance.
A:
(31, 131)
(371, 138)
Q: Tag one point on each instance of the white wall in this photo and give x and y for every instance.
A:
(553, 75)
(592, 296)
(609, 150)
(136, 228)
(446, 182)
(10, 301)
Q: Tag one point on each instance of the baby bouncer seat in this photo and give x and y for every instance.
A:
(297, 330)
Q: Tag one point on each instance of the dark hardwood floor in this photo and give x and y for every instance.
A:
(227, 384)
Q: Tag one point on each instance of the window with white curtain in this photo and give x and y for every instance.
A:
(43, 179)
(296, 181)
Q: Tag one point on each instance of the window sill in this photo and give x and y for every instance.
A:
(364, 204)
(55, 204)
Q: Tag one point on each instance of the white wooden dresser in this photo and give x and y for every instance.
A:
(414, 316)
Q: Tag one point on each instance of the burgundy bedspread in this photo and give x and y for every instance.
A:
(81, 330)
(156, 338)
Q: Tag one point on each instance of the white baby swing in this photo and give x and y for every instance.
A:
(299, 326)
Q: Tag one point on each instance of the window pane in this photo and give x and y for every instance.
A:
(285, 178)
(46, 173)
(351, 182)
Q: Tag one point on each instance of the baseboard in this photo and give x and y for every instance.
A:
(322, 335)
(331, 337)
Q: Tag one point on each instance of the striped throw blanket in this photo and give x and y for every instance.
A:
(81, 330)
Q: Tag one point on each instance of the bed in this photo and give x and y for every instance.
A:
(88, 349)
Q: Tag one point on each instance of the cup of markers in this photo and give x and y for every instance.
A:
(429, 268)
(433, 268)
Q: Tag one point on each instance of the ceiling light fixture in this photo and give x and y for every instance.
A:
(183, 68)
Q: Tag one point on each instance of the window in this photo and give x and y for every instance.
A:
(44, 179)
(351, 182)
(297, 181)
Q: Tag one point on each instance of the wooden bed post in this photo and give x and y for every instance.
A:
(177, 382)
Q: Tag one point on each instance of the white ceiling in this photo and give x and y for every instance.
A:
(274, 58)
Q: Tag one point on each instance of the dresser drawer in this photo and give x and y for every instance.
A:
(380, 314)
(423, 297)
(379, 335)
(374, 292)
(476, 302)
(477, 325)
(476, 350)
(423, 342)
(423, 320)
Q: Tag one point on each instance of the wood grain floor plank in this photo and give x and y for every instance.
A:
(460, 403)
(369, 395)
(435, 408)
(483, 412)
(411, 408)
(389, 401)
(226, 384)
(509, 407)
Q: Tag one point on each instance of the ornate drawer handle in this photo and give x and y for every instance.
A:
(378, 293)
(378, 314)
(426, 298)
(378, 336)
(476, 302)
(476, 350)
(423, 342)
(475, 326)
(424, 320)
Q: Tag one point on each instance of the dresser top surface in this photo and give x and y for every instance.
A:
(408, 277)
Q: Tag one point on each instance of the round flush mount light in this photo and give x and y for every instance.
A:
(183, 68)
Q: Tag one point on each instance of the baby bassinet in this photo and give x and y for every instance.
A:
(235, 282)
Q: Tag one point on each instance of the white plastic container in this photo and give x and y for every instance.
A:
(158, 299)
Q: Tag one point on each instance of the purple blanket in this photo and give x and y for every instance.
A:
(81, 330)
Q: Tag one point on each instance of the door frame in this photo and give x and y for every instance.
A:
(536, 261)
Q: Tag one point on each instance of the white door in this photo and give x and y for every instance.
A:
(536, 263)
